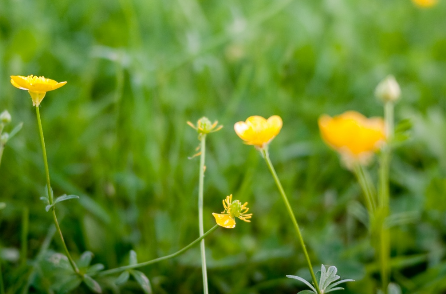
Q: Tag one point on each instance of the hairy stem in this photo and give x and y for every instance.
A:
(200, 212)
(127, 267)
(50, 193)
(291, 214)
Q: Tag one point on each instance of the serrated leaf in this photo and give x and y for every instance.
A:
(95, 268)
(65, 197)
(92, 284)
(133, 258)
(85, 259)
(334, 289)
(305, 292)
(142, 280)
(71, 285)
(15, 130)
(303, 281)
(123, 278)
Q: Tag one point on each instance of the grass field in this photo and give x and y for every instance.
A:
(116, 135)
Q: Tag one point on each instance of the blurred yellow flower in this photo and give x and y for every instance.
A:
(232, 210)
(36, 86)
(257, 130)
(353, 135)
(425, 3)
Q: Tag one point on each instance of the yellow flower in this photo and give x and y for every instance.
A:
(257, 130)
(36, 86)
(232, 210)
(425, 3)
(353, 135)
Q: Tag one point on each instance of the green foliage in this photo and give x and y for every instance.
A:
(116, 135)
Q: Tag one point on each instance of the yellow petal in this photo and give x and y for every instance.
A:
(352, 132)
(224, 220)
(425, 3)
(258, 131)
(20, 82)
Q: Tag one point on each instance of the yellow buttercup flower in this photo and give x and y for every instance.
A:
(425, 3)
(233, 209)
(36, 86)
(353, 135)
(258, 131)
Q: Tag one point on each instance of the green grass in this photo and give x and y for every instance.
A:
(116, 135)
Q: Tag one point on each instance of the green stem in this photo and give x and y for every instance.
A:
(384, 246)
(1, 152)
(366, 187)
(200, 212)
(127, 267)
(50, 193)
(291, 214)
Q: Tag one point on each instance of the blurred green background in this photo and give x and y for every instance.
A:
(116, 135)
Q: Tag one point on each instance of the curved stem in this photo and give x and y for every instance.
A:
(50, 193)
(200, 212)
(127, 267)
(291, 214)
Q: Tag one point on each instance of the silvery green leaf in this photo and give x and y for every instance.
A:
(337, 283)
(123, 278)
(65, 197)
(331, 277)
(48, 207)
(323, 276)
(303, 281)
(334, 289)
(133, 259)
(85, 259)
(142, 280)
(394, 289)
(45, 199)
(95, 268)
(92, 284)
(71, 284)
(306, 292)
(15, 130)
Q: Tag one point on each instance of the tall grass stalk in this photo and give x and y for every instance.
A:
(2, 286)
(291, 214)
(200, 211)
(50, 193)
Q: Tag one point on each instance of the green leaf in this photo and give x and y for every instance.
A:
(85, 259)
(95, 268)
(2, 205)
(305, 292)
(71, 284)
(142, 280)
(331, 287)
(65, 197)
(123, 278)
(303, 281)
(92, 284)
(15, 130)
(334, 289)
(133, 259)
(45, 200)
(48, 207)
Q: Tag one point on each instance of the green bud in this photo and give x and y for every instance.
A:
(205, 126)
(388, 90)
(5, 117)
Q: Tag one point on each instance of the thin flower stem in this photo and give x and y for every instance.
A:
(24, 236)
(50, 194)
(200, 212)
(127, 267)
(384, 250)
(291, 214)
(366, 187)
(1, 152)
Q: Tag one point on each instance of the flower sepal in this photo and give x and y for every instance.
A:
(204, 126)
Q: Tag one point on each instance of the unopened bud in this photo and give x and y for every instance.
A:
(388, 90)
(205, 126)
(5, 117)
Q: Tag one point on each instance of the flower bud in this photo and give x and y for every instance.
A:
(388, 90)
(205, 126)
(5, 117)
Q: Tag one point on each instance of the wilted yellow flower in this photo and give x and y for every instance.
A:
(232, 210)
(425, 3)
(36, 86)
(353, 135)
(257, 130)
